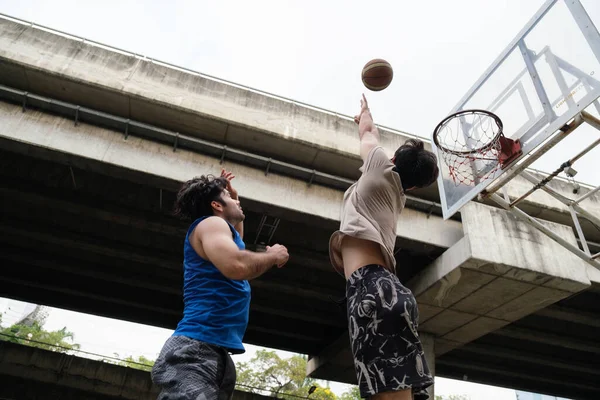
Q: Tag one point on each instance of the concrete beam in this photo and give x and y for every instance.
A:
(184, 101)
(335, 362)
(114, 302)
(78, 373)
(78, 208)
(570, 315)
(498, 353)
(108, 147)
(146, 90)
(552, 339)
(467, 367)
(477, 287)
(32, 373)
(48, 238)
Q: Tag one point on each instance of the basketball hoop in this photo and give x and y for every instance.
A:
(473, 146)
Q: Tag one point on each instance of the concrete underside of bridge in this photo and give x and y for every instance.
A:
(86, 225)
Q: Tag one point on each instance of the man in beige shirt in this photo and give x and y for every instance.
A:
(382, 313)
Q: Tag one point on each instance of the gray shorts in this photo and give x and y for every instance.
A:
(188, 369)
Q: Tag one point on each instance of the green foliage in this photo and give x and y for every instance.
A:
(286, 378)
(453, 397)
(352, 394)
(140, 362)
(36, 336)
(60, 341)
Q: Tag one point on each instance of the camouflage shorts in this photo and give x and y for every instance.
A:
(188, 369)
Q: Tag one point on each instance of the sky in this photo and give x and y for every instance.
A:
(312, 51)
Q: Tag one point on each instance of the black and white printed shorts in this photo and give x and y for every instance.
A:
(188, 369)
(382, 321)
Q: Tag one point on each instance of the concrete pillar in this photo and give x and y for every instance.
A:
(428, 342)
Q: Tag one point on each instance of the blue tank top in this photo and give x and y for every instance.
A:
(215, 308)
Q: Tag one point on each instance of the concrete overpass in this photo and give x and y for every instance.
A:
(32, 373)
(94, 142)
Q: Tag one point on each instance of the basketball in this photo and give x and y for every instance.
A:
(377, 74)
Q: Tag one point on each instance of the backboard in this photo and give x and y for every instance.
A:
(547, 75)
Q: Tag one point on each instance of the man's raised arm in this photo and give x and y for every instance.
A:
(213, 236)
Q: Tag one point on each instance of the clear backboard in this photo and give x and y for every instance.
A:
(543, 79)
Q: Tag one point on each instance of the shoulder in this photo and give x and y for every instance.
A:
(211, 225)
(376, 158)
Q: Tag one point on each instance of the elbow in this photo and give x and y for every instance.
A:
(236, 271)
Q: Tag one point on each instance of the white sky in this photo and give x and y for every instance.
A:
(311, 51)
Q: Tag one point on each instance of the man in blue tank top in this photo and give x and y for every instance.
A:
(195, 362)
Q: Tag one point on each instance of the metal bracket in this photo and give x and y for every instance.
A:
(272, 227)
(73, 177)
(430, 211)
(25, 95)
(76, 115)
(312, 177)
(268, 167)
(223, 154)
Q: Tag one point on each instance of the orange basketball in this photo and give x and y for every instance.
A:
(377, 74)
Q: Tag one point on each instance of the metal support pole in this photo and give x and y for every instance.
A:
(586, 25)
(579, 231)
(537, 83)
(566, 164)
(540, 184)
(511, 172)
(530, 220)
(590, 119)
(566, 201)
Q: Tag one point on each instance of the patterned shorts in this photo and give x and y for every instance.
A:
(383, 321)
(187, 369)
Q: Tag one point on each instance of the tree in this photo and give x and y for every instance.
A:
(34, 335)
(139, 362)
(352, 394)
(453, 397)
(282, 378)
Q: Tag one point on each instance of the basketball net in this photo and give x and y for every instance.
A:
(473, 146)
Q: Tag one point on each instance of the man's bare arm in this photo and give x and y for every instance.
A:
(213, 237)
(367, 131)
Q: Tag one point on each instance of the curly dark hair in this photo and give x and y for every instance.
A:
(416, 166)
(195, 196)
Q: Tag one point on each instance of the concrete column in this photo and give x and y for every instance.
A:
(428, 342)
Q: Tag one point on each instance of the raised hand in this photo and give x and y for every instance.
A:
(229, 176)
(364, 106)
